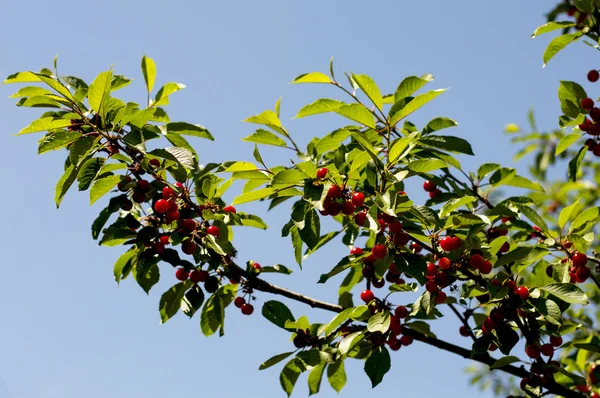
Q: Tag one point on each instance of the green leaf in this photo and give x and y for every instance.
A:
(550, 27)
(170, 301)
(289, 375)
(426, 165)
(399, 146)
(277, 268)
(312, 77)
(64, 183)
(162, 96)
(274, 360)
(99, 93)
(22, 77)
(357, 113)
(314, 378)
(45, 124)
(289, 177)
(103, 186)
(504, 361)
(369, 87)
(533, 216)
(192, 301)
(123, 264)
(566, 141)
(265, 137)
(56, 86)
(377, 365)
(486, 169)
(588, 347)
(557, 44)
(277, 312)
(58, 140)
(322, 105)
(406, 109)
(253, 195)
(549, 309)
(149, 71)
(454, 204)
(567, 213)
(380, 322)
(575, 163)
(586, 6)
(183, 128)
(88, 172)
(588, 215)
(448, 143)
(336, 375)
(410, 85)
(439, 123)
(338, 320)
(522, 182)
(567, 292)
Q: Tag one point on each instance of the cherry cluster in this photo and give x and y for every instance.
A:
(339, 199)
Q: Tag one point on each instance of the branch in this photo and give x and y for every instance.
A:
(264, 286)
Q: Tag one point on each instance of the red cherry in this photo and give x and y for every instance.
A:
(556, 341)
(360, 218)
(247, 309)
(154, 162)
(523, 384)
(442, 279)
(582, 388)
(401, 312)
(143, 185)
(456, 242)
(347, 208)
(464, 331)
(356, 251)
(511, 285)
(505, 247)
(379, 251)
(582, 274)
(378, 284)
(401, 193)
(415, 247)
(367, 296)
(431, 286)
(229, 209)
(492, 347)
(536, 228)
(168, 193)
(322, 173)
(594, 394)
(197, 276)
(172, 216)
(334, 209)
(395, 227)
(123, 184)
(161, 206)
(587, 103)
(547, 350)
(440, 298)
(406, 340)
(138, 197)
(214, 231)
(382, 224)
(239, 301)
(579, 259)
(172, 206)
(476, 261)
(593, 76)
(401, 239)
(188, 225)
(334, 192)
(596, 149)
(447, 244)
(429, 186)
(444, 263)
(181, 274)
(358, 199)
(489, 324)
(180, 186)
(431, 269)
(585, 126)
(595, 114)
(485, 268)
(496, 282)
(532, 351)
(434, 194)
(594, 129)
(188, 247)
(164, 239)
(522, 292)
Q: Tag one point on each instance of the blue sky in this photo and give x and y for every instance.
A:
(69, 331)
